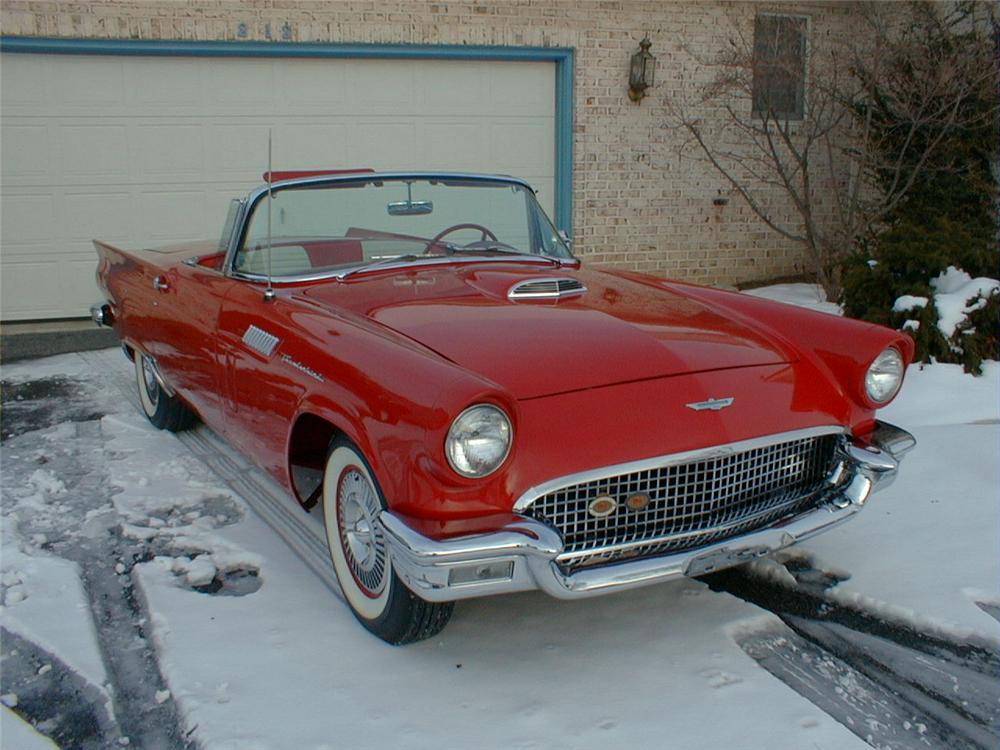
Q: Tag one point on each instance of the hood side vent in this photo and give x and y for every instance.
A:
(555, 288)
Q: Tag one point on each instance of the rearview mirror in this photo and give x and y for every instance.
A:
(410, 208)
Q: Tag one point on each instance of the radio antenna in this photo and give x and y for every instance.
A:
(269, 292)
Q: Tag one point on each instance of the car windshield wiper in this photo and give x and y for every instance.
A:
(502, 248)
(376, 264)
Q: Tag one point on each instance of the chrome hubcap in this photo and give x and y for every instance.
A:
(149, 380)
(363, 539)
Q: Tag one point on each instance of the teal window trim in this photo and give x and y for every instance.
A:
(562, 57)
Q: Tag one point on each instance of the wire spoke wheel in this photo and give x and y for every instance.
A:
(362, 559)
(362, 537)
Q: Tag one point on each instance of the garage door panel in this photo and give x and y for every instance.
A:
(313, 86)
(311, 146)
(42, 278)
(380, 86)
(169, 89)
(87, 216)
(146, 151)
(24, 83)
(166, 215)
(93, 152)
(92, 82)
(520, 89)
(467, 89)
(24, 151)
(26, 218)
(237, 150)
(76, 293)
(453, 146)
(247, 83)
(167, 151)
(387, 145)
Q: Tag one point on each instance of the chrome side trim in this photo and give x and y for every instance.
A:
(659, 462)
(424, 564)
(431, 260)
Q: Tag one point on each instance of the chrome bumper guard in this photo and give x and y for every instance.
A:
(523, 556)
(100, 313)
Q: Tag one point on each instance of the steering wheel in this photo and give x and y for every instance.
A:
(487, 234)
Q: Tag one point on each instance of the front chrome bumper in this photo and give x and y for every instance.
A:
(522, 556)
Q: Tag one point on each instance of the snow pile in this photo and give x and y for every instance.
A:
(909, 302)
(172, 503)
(957, 294)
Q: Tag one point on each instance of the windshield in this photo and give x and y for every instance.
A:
(339, 225)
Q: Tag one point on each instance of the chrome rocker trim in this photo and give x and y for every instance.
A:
(528, 550)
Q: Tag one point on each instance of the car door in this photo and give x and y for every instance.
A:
(262, 389)
(189, 299)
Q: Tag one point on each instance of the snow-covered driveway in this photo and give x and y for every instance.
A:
(239, 644)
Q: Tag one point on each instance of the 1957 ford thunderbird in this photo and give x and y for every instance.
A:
(420, 358)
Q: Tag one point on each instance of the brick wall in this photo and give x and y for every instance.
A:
(640, 201)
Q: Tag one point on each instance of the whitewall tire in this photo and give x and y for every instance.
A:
(165, 411)
(352, 502)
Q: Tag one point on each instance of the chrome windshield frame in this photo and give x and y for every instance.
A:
(257, 194)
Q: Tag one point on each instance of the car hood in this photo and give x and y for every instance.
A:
(619, 330)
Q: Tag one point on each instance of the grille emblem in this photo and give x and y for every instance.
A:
(638, 501)
(715, 404)
(602, 506)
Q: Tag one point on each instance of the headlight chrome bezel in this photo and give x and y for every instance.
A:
(453, 441)
(889, 362)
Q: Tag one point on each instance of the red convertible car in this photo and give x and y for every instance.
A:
(420, 358)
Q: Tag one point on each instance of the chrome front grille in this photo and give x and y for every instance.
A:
(687, 505)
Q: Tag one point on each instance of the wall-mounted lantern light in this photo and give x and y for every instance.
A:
(641, 72)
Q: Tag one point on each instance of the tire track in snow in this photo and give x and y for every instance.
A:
(78, 524)
(893, 686)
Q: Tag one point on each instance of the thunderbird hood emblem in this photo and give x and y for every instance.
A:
(714, 404)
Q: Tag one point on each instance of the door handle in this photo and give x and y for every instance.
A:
(159, 283)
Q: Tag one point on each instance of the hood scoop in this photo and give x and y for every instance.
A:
(554, 288)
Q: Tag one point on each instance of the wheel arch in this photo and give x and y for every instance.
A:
(313, 430)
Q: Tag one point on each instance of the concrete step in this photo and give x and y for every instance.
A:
(32, 339)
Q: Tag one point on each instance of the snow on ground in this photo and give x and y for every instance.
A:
(513, 671)
(926, 547)
(44, 601)
(286, 665)
(17, 734)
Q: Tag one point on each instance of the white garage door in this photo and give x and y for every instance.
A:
(149, 150)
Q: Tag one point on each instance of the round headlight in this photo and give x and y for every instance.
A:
(478, 441)
(884, 376)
